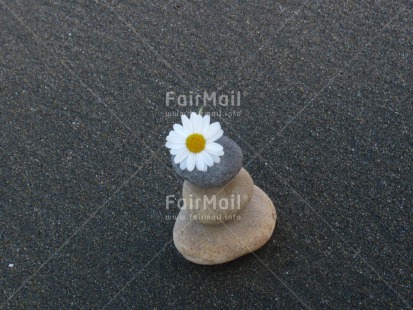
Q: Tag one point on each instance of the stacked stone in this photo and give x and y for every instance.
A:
(224, 215)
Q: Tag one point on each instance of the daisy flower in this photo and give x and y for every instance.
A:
(192, 143)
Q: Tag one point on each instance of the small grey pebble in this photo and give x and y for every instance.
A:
(218, 174)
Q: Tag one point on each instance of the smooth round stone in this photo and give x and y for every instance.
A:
(218, 174)
(214, 205)
(217, 244)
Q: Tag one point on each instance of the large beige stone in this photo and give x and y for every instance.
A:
(216, 244)
(218, 204)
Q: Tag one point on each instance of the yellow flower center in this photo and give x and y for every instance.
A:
(195, 143)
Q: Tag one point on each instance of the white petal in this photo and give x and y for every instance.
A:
(181, 156)
(175, 138)
(192, 119)
(216, 136)
(182, 165)
(205, 124)
(186, 124)
(176, 151)
(213, 129)
(214, 148)
(200, 123)
(196, 121)
(207, 158)
(180, 130)
(216, 158)
(192, 116)
(190, 164)
(199, 162)
(174, 145)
